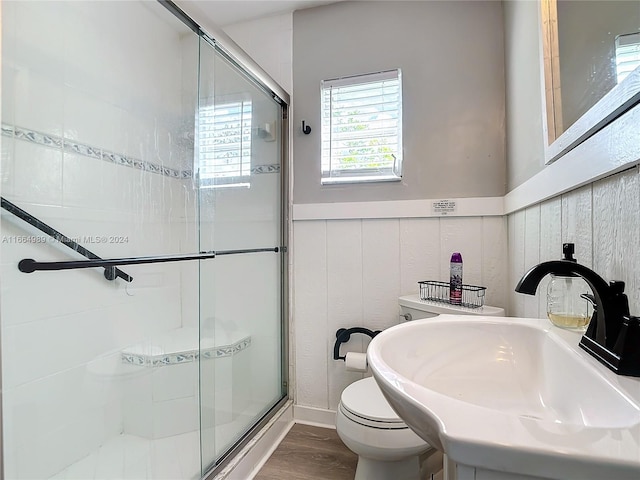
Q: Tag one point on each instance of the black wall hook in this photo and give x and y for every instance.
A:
(306, 129)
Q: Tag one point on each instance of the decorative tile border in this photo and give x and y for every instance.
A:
(7, 130)
(69, 145)
(188, 356)
(36, 137)
(98, 153)
(82, 149)
(265, 169)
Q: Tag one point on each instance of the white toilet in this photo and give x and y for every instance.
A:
(368, 426)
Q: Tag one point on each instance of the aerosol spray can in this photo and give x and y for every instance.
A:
(455, 279)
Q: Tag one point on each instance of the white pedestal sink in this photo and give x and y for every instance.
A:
(510, 398)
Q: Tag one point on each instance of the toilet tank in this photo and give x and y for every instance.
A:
(413, 308)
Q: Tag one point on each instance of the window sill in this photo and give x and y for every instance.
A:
(343, 180)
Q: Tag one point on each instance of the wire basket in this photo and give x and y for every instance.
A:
(432, 290)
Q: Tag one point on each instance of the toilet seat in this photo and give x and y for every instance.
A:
(368, 426)
(362, 402)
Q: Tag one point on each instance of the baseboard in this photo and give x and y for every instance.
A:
(253, 456)
(318, 417)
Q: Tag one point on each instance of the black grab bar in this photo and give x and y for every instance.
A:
(29, 265)
(110, 273)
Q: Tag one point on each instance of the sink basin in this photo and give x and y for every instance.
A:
(511, 395)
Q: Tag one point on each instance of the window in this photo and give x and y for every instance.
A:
(225, 144)
(362, 128)
(627, 54)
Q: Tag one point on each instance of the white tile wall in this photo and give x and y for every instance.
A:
(176, 381)
(173, 417)
(44, 92)
(102, 92)
(37, 174)
(107, 75)
(600, 218)
(128, 457)
(350, 273)
(7, 172)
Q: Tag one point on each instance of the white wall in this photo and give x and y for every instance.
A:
(351, 272)
(600, 218)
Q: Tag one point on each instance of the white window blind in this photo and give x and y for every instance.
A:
(627, 54)
(225, 144)
(362, 128)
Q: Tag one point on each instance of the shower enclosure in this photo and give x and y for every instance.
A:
(155, 344)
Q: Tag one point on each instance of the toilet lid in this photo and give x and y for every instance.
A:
(365, 400)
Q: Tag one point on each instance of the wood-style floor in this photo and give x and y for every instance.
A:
(310, 453)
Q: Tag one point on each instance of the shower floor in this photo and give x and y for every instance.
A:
(129, 457)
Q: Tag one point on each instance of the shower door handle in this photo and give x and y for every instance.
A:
(220, 253)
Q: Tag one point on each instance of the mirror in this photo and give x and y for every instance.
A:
(591, 54)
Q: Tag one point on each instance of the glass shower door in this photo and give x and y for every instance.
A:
(240, 210)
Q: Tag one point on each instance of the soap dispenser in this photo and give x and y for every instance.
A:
(567, 297)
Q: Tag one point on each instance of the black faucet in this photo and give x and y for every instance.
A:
(613, 336)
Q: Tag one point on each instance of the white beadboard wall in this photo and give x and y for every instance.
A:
(351, 272)
(600, 218)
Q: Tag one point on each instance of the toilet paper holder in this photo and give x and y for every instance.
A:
(343, 335)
